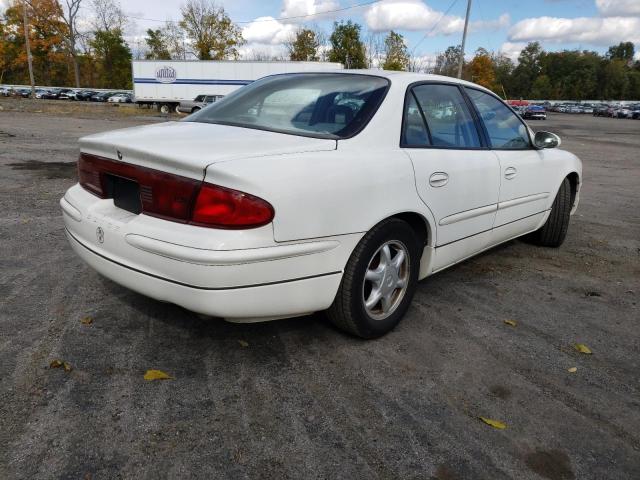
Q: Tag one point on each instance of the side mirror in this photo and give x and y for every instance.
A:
(546, 140)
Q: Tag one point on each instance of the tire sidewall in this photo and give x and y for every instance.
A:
(393, 230)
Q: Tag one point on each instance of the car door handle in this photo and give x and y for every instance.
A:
(510, 172)
(438, 179)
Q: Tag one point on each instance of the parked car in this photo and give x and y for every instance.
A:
(43, 93)
(318, 193)
(102, 96)
(535, 112)
(22, 92)
(600, 110)
(85, 95)
(67, 94)
(197, 103)
(6, 91)
(51, 93)
(623, 112)
(120, 98)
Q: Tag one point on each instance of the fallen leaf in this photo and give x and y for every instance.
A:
(494, 423)
(156, 375)
(86, 321)
(67, 366)
(582, 348)
(55, 363)
(572, 369)
(243, 343)
(511, 322)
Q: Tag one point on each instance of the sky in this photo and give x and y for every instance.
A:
(429, 26)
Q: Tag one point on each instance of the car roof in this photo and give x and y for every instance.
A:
(404, 78)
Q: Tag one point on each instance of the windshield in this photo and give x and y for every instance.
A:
(309, 104)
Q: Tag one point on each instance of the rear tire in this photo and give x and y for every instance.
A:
(349, 310)
(554, 231)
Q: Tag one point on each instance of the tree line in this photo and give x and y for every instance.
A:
(93, 52)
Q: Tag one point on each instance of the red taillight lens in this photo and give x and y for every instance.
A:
(226, 208)
(177, 198)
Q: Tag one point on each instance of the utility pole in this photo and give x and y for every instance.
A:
(464, 39)
(27, 43)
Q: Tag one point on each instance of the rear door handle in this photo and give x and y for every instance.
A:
(438, 179)
(510, 172)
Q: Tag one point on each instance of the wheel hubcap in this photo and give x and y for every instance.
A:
(386, 280)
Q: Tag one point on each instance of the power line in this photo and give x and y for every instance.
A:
(444, 14)
(296, 17)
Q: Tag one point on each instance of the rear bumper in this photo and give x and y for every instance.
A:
(241, 304)
(237, 275)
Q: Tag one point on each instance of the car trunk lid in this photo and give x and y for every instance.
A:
(187, 148)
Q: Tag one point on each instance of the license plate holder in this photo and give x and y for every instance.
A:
(125, 193)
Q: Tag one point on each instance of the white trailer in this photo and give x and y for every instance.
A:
(165, 83)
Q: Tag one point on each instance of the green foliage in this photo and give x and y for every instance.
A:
(346, 46)
(211, 31)
(395, 52)
(113, 59)
(304, 46)
(623, 51)
(158, 49)
(447, 62)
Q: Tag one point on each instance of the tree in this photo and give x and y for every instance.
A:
(503, 68)
(623, 51)
(542, 88)
(481, 69)
(157, 44)
(174, 40)
(395, 52)
(108, 15)
(346, 46)
(70, 18)
(447, 62)
(211, 31)
(527, 70)
(304, 46)
(113, 59)
(46, 38)
(615, 80)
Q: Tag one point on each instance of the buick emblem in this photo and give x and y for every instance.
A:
(100, 234)
(119, 155)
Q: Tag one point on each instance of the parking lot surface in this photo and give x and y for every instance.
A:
(298, 399)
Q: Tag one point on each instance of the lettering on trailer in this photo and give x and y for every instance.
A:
(166, 74)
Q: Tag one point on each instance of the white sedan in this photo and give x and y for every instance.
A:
(317, 191)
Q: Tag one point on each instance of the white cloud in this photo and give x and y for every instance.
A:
(512, 49)
(410, 15)
(298, 8)
(416, 15)
(593, 31)
(258, 51)
(501, 22)
(614, 8)
(268, 31)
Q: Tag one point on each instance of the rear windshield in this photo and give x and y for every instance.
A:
(317, 105)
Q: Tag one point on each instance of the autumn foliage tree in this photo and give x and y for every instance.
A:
(481, 69)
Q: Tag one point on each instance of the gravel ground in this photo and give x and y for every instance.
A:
(298, 399)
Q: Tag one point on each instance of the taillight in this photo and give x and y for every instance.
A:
(226, 208)
(176, 198)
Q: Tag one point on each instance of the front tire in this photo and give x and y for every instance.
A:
(379, 281)
(554, 231)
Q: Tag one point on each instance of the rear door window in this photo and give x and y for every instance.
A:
(450, 123)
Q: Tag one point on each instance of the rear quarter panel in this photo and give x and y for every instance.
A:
(319, 194)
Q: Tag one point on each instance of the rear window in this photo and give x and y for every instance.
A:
(318, 105)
